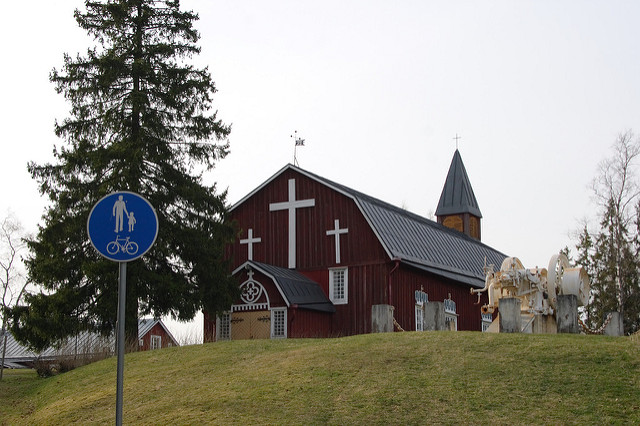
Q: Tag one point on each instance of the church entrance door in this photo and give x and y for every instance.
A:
(251, 325)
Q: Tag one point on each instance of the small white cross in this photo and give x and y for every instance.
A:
(291, 206)
(250, 241)
(336, 231)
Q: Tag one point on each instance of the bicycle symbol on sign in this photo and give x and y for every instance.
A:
(123, 245)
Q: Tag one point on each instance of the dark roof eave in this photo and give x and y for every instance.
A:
(474, 281)
(450, 210)
(320, 307)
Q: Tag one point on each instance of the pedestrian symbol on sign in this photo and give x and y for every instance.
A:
(132, 221)
(119, 208)
(107, 230)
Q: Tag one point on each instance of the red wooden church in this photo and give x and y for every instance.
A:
(314, 257)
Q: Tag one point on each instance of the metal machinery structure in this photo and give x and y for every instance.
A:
(537, 288)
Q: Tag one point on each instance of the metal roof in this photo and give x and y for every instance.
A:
(294, 287)
(83, 343)
(457, 194)
(416, 240)
(426, 244)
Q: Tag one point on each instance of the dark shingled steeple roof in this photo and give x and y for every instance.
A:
(457, 195)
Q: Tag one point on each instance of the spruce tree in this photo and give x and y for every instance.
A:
(141, 120)
(611, 253)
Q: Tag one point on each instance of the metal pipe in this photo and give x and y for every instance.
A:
(395, 267)
(122, 293)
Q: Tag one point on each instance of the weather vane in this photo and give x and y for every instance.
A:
(298, 142)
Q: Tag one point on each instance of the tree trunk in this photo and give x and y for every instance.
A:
(4, 345)
(619, 280)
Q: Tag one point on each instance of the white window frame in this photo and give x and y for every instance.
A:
(451, 322)
(487, 319)
(279, 323)
(223, 324)
(419, 314)
(155, 342)
(345, 297)
(450, 315)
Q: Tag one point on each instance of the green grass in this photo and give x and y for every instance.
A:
(395, 378)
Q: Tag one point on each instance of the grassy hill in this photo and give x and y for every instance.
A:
(395, 378)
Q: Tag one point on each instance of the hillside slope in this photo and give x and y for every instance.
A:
(395, 378)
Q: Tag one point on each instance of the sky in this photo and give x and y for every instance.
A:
(537, 91)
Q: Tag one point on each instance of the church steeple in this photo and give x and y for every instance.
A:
(458, 208)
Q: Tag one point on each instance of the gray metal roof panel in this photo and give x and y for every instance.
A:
(146, 324)
(83, 343)
(416, 239)
(419, 240)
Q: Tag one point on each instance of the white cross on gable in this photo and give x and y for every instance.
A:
(291, 205)
(336, 232)
(250, 241)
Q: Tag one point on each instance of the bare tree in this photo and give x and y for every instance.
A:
(12, 279)
(616, 180)
(617, 191)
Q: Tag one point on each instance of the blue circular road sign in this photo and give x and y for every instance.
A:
(122, 226)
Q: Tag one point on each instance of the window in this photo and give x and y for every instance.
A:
(279, 323)
(140, 343)
(419, 317)
(454, 222)
(474, 227)
(450, 315)
(338, 285)
(224, 326)
(156, 342)
(487, 319)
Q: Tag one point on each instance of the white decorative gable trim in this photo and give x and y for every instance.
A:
(253, 294)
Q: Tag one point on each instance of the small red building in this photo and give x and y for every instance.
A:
(153, 334)
(315, 256)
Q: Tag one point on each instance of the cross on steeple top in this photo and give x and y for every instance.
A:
(457, 138)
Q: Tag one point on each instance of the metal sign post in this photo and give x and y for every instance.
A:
(122, 295)
(122, 226)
